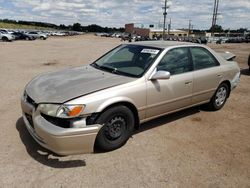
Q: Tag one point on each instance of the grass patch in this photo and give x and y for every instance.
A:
(22, 26)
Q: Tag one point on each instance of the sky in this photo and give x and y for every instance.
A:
(115, 13)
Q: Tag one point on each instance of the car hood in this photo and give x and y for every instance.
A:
(62, 86)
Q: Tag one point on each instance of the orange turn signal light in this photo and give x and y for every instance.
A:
(75, 111)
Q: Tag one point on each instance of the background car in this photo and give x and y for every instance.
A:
(22, 36)
(37, 35)
(6, 36)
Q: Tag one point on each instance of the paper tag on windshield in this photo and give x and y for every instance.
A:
(150, 51)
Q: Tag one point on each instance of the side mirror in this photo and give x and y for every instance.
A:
(160, 75)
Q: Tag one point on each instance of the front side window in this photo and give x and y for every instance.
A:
(202, 58)
(128, 60)
(176, 61)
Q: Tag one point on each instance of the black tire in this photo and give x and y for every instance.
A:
(118, 125)
(27, 38)
(249, 62)
(42, 38)
(219, 98)
(5, 39)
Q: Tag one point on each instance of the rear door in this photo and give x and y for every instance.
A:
(207, 74)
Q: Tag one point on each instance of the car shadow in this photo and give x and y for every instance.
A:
(51, 159)
(164, 120)
(41, 154)
(245, 72)
(168, 118)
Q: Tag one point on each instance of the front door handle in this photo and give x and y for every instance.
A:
(219, 75)
(188, 82)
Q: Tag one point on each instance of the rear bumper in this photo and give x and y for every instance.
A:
(235, 81)
(63, 141)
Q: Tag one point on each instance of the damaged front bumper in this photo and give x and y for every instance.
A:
(63, 141)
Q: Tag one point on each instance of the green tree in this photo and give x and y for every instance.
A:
(216, 28)
(77, 27)
(242, 30)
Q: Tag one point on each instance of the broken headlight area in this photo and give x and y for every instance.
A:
(62, 111)
(66, 116)
(77, 122)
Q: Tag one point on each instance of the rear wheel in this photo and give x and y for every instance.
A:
(118, 123)
(220, 97)
(249, 62)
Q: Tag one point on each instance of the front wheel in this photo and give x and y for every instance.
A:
(220, 97)
(118, 123)
(5, 39)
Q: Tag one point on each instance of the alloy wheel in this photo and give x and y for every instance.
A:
(221, 96)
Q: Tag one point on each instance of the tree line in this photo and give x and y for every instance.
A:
(97, 28)
(74, 27)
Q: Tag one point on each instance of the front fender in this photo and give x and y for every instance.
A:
(113, 101)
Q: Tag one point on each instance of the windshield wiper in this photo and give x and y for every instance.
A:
(95, 65)
(111, 70)
(101, 67)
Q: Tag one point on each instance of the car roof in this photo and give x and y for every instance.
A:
(164, 44)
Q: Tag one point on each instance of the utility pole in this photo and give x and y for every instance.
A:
(189, 28)
(215, 14)
(164, 23)
(169, 26)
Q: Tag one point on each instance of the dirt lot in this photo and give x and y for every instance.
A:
(192, 148)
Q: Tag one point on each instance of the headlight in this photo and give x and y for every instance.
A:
(61, 111)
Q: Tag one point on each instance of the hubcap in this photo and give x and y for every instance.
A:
(221, 96)
(115, 127)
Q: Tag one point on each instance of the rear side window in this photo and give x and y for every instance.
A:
(176, 61)
(202, 58)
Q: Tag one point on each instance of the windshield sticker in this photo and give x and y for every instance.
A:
(150, 51)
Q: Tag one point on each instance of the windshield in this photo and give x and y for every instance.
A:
(3, 32)
(128, 60)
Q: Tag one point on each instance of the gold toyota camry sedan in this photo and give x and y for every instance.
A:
(98, 106)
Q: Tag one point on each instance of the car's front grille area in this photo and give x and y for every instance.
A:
(31, 101)
(29, 118)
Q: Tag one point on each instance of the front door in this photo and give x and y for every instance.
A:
(164, 96)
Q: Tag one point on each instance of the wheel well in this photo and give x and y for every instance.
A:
(229, 86)
(127, 104)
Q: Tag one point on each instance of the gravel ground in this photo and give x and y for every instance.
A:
(192, 148)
